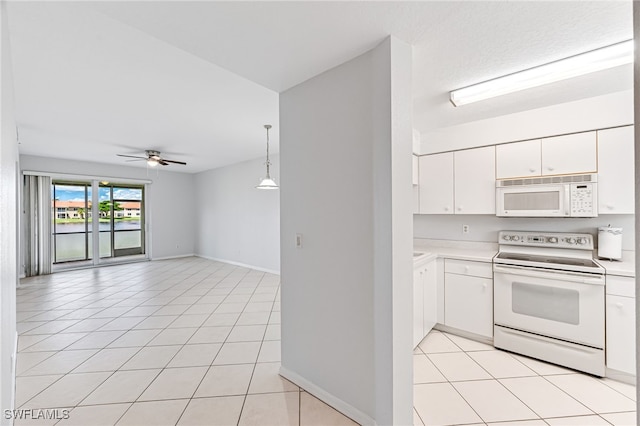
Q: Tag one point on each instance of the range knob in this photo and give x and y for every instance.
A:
(581, 241)
(515, 238)
(570, 240)
(553, 240)
(507, 237)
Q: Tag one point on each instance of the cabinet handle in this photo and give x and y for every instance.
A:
(446, 208)
(484, 286)
(459, 208)
(466, 269)
(609, 206)
(619, 305)
(550, 168)
(532, 170)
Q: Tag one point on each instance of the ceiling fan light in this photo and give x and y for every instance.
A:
(152, 162)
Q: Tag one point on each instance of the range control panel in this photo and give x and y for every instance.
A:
(546, 239)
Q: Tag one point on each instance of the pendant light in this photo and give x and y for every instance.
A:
(267, 182)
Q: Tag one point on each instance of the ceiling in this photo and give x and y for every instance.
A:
(197, 80)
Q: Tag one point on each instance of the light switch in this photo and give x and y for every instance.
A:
(298, 240)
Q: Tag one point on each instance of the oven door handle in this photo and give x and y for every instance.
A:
(567, 275)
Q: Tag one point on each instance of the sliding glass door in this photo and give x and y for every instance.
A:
(121, 220)
(120, 224)
(72, 226)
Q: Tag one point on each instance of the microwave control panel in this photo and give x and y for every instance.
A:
(583, 200)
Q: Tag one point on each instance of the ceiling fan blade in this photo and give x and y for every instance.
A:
(131, 156)
(162, 162)
(175, 162)
(131, 161)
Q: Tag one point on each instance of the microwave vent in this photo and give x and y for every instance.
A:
(592, 177)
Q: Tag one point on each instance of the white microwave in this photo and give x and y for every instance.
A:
(552, 196)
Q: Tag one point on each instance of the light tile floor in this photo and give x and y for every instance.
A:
(196, 342)
(186, 341)
(458, 381)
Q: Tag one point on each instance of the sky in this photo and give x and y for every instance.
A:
(77, 193)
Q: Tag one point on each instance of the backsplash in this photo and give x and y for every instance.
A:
(485, 228)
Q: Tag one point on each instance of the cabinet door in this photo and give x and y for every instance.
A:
(519, 159)
(616, 171)
(430, 305)
(469, 304)
(568, 154)
(436, 183)
(621, 334)
(418, 298)
(475, 181)
(416, 174)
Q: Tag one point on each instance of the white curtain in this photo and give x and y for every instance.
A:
(37, 208)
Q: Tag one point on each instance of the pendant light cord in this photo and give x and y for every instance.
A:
(268, 163)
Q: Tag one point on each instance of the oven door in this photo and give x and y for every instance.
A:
(532, 201)
(563, 305)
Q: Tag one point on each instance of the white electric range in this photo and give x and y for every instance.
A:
(549, 299)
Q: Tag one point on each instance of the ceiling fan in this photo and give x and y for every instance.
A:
(153, 158)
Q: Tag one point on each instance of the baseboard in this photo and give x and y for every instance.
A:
(315, 390)
(244, 265)
(620, 376)
(179, 256)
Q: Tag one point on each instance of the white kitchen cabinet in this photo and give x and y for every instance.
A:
(558, 155)
(424, 299)
(616, 171)
(436, 183)
(621, 324)
(475, 181)
(568, 154)
(415, 169)
(468, 297)
(418, 307)
(519, 159)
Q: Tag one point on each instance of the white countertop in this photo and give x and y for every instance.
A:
(625, 267)
(462, 250)
(484, 252)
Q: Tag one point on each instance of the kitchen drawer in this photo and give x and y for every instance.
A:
(621, 286)
(467, 267)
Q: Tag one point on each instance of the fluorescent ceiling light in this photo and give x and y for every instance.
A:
(585, 63)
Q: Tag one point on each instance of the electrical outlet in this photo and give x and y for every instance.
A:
(298, 240)
(465, 229)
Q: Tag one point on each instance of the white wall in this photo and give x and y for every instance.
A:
(236, 222)
(171, 199)
(8, 226)
(636, 99)
(599, 112)
(345, 151)
(485, 227)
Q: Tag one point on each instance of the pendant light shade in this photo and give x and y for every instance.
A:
(267, 182)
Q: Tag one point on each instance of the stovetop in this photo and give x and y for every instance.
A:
(548, 250)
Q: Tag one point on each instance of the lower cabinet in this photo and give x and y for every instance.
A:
(424, 299)
(468, 298)
(621, 324)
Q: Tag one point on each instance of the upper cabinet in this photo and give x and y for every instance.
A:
(559, 155)
(616, 171)
(475, 181)
(436, 183)
(461, 182)
(519, 159)
(569, 154)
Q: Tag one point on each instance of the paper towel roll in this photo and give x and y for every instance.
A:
(610, 243)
